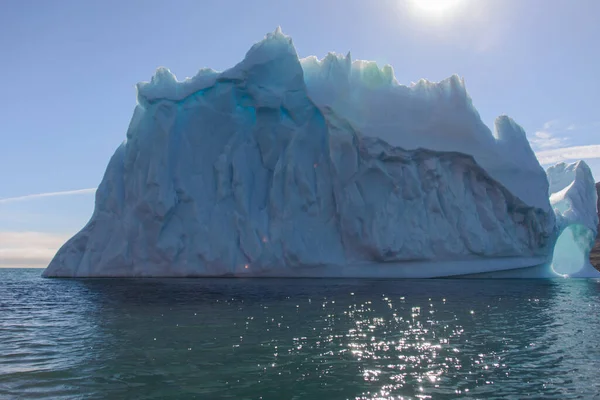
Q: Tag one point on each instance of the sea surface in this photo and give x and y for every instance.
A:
(297, 338)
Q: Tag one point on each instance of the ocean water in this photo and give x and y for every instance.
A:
(297, 338)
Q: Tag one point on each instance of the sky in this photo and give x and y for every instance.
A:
(70, 69)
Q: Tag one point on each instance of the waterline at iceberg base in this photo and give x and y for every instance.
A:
(283, 166)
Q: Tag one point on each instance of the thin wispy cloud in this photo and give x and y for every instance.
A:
(583, 127)
(48, 194)
(550, 124)
(568, 153)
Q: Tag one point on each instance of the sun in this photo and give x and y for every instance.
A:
(436, 6)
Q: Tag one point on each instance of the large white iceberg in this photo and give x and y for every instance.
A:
(288, 167)
(574, 199)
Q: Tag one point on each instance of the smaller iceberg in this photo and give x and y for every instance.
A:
(574, 200)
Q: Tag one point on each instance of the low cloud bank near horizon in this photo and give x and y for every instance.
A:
(29, 249)
(563, 154)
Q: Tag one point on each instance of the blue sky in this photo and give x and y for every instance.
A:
(70, 67)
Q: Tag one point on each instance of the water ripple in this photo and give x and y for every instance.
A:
(297, 339)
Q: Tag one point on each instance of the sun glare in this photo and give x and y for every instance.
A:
(436, 6)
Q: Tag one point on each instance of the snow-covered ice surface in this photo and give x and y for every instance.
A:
(574, 199)
(288, 167)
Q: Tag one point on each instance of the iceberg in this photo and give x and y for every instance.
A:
(281, 166)
(595, 252)
(574, 198)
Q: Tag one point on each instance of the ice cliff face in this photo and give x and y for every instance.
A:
(595, 252)
(437, 116)
(257, 170)
(574, 199)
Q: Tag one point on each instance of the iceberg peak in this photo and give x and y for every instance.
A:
(505, 128)
(272, 63)
(454, 85)
(273, 45)
(278, 34)
(163, 76)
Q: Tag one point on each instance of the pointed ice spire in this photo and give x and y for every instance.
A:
(506, 129)
(349, 62)
(272, 61)
(277, 34)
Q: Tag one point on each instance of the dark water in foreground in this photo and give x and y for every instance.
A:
(297, 339)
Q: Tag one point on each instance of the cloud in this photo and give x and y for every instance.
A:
(572, 127)
(568, 153)
(583, 127)
(547, 137)
(29, 249)
(546, 140)
(50, 194)
(550, 124)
